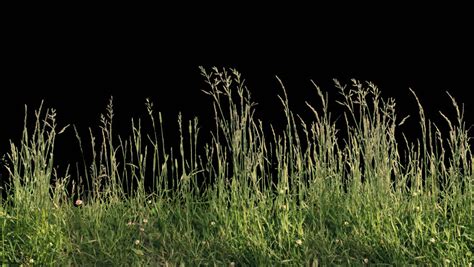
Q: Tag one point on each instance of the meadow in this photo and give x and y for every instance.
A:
(310, 194)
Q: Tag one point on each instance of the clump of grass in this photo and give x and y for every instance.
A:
(32, 218)
(308, 194)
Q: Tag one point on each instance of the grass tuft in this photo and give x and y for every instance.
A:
(309, 194)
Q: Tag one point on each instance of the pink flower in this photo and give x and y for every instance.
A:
(78, 203)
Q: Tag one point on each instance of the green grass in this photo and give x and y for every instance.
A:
(307, 195)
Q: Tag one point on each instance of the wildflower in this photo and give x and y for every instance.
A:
(417, 208)
(447, 261)
(432, 240)
(366, 260)
(130, 223)
(145, 220)
(346, 223)
(232, 264)
(32, 261)
(213, 223)
(283, 190)
(142, 229)
(149, 201)
(284, 207)
(137, 242)
(299, 242)
(416, 193)
(78, 203)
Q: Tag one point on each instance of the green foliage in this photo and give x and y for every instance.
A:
(309, 194)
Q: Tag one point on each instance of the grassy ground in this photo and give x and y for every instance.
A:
(309, 195)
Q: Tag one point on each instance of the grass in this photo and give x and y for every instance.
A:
(307, 195)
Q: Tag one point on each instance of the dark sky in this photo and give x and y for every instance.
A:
(76, 69)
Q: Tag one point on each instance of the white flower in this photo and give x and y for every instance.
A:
(145, 220)
(213, 223)
(137, 242)
(366, 260)
(283, 190)
(432, 240)
(299, 242)
(346, 223)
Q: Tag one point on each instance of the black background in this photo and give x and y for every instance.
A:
(76, 64)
